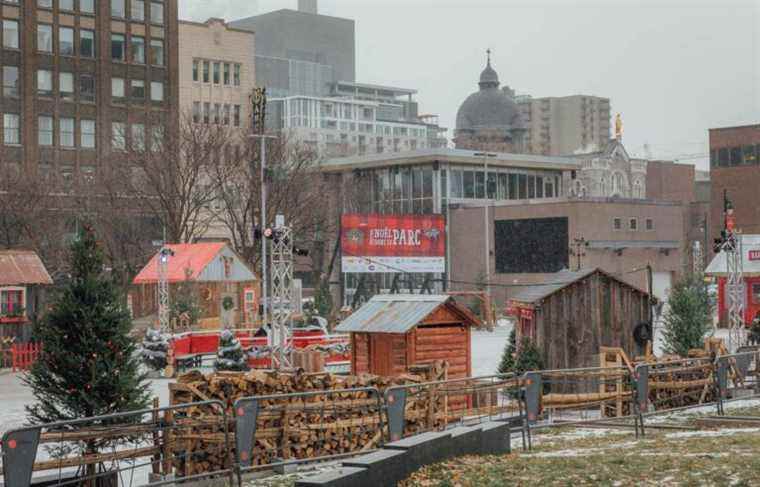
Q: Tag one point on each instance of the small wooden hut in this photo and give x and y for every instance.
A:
(392, 332)
(23, 284)
(574, 313)
(224, 287)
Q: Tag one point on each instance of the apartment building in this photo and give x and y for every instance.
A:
(565, 125)
(82, 80)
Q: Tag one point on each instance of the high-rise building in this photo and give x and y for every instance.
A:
(81, 79)
(301, 52)
(565, 125)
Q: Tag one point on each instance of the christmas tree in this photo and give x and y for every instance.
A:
(507, 363)
(230, 355)
(528, 358)
(154, 350)
(88, 366)
(688, 318)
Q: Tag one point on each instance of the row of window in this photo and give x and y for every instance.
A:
(136, 89)
(137, 10)
(218, 113)
(85, 6)
(67, 134)
(217, 72)
(735, 156)
(67, 45)
(633, 224)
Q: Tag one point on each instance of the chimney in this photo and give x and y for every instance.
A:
(307, 6)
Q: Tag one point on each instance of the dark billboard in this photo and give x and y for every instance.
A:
(533, 245)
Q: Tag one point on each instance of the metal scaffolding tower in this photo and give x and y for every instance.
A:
(163, 288)
(697, 258)
(735, 291)
(282, 291)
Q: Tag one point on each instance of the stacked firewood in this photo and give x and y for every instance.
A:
(330, 421)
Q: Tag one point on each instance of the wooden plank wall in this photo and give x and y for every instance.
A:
(598, 311)
(444, 342)
(360, 355)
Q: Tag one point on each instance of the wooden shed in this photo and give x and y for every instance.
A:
(23, 284)
(574, 313)
(394, 331)
(225, 288)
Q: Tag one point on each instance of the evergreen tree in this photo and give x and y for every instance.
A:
(688, 318)
(88, 366)
(507, 363)
(155, 348)
(323, 300)
(528, 357)
(230, 355)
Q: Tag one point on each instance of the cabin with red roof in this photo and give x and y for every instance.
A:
(23, 284)
(225, 288)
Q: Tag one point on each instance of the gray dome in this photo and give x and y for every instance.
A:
(489, 108)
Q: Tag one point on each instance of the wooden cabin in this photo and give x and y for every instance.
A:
(23, 284)
(224, 287)
(574, 313)
(392, 332)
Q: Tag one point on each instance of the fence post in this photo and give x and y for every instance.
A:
(19, 453)
(721, 379)
(246, 415)
(395, 404)
(533, 388)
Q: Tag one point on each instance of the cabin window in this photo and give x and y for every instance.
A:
(11, 302)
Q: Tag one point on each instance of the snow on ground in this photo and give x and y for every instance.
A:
(706, 409)
(487, 347)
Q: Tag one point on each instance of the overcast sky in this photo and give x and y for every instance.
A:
(673, 68)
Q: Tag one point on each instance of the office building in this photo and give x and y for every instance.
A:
(565, 125)
(82, 81)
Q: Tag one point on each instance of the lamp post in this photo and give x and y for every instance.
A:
(486, 219)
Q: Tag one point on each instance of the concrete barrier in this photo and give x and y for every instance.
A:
(425, 448)
(496, 438)
(341, 477)
(384, 467)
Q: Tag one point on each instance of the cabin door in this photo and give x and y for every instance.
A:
(382, 354)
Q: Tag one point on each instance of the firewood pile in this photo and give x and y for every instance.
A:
(333, 421)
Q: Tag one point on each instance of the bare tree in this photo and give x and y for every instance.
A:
(22, 204)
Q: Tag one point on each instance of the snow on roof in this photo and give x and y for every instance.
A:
(22, 267)
(750, 263)
(198, 262)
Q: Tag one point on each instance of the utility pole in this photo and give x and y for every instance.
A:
(486, 219)
(579, 250)
(258, 120)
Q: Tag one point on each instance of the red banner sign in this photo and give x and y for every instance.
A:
(393, 243)
(754, 255)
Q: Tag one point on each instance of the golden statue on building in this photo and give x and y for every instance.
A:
(618, 127)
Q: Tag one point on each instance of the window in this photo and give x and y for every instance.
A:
(617, 224)
(86, 43)
(66, 41)
(195, 70)
(236, 115)
(67, 177)
(137, 89)
(217, 113)
(649, 224)
(138, 10)
(11, 125)
(118, 136)
(88, 174)
(156, 91)
(66, 85)
(44, 82)
(157, 138)
(196, 112)
(216, 73)
(138, 49)
(11, 301)
(66, 4)
(156, 13)
(44, 38)
(10, 81)
(206, 112)
(87, 6)
(117, 87)
(118, 47)
(117, 8)
(237, 75)
(45, 3)
(10, 34)
(67, 132)
(756, 293)
(226, 73)
(206, 68)
(633, 224)
(87, 133)
(138, 137)
(157, 54)
(45, 130)
(86, 87)
(226, 114)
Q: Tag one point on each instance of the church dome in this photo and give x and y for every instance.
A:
(489, 108)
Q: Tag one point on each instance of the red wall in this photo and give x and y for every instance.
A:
(752, 308)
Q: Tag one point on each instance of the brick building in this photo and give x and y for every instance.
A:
(735, 167)
(81, 79)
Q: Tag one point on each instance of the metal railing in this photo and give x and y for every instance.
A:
(287, 428)
(735, 375)
(146, 447)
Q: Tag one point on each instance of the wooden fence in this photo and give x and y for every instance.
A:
(23, 355)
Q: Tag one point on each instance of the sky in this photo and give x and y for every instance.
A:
(672, 68)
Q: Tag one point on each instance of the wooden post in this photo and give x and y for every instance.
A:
(168, 442)
(156, 464)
